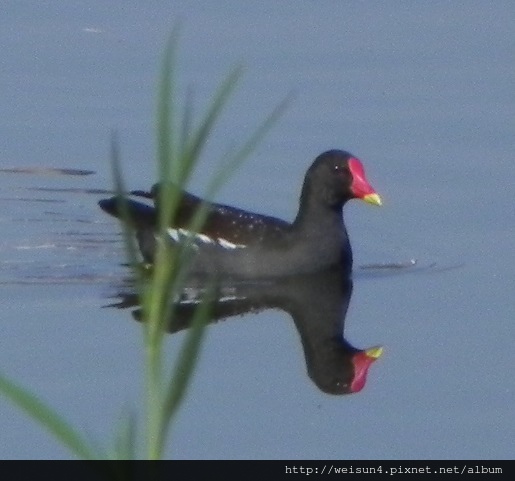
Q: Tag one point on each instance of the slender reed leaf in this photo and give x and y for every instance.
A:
(125, 440)
(199, 138)
(184, 367)
(178, 154)
(187, 120)
(49, 419)
(127, 224)
(231, 162)
(165, 109)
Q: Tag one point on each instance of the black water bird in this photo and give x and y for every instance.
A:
(240, 244)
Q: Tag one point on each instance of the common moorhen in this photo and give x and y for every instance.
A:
(239, 244)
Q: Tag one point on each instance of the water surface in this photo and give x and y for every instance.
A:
(423, 94)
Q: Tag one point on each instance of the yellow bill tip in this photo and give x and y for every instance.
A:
(374, 352)
(373, 199)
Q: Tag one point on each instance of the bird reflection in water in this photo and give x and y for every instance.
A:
(317, 303)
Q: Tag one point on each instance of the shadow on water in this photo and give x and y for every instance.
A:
(317, 304)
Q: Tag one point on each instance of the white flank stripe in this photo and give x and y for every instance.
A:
(204, 238)
(173, 234)
(176, 235)
(229, 245)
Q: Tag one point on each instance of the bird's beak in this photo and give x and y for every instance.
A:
(362, 360)
(360, 187)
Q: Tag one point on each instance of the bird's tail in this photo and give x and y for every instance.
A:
(142, 216)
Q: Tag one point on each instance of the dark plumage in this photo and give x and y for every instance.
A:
(246, 245)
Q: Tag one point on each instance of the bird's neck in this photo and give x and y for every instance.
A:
(321, 223)
(317, 211)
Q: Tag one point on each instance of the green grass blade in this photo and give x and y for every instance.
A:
(199, 137)
(125, 440)
(184, 367)
(127, 226)
(165, 109)
(232, 161)
(155, 297)
(187, 120)
(180, 146)
(48, 418)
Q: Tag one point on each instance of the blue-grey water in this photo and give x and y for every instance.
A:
(421, 92)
